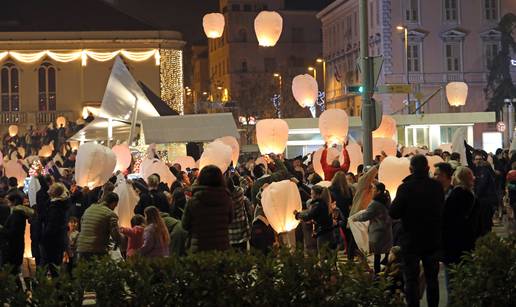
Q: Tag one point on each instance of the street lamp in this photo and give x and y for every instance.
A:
(323, 62)
(405, 32)
(280, 78)
(314, 70)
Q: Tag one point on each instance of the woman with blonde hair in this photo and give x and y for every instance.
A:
(156, 238)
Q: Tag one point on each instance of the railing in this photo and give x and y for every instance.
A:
(34, 118)
(9, 118)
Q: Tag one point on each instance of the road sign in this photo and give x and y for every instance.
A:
(377, 63)
(394, 89)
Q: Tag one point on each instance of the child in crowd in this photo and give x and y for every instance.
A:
(392, 271)
(134, 234)
(71, 250)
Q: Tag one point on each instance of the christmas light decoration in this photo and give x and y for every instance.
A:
(171, 77)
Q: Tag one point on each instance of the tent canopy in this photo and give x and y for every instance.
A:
(189, 128)
(97, 130)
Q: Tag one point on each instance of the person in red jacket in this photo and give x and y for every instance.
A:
(335, 166)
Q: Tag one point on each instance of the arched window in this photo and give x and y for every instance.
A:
(10, 88)
(242, 35)
(47, 87)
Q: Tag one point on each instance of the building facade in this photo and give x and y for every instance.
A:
(55, 69)
(237, 62)
(448, 40)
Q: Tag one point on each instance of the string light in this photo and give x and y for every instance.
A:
(171, 77)
(70, 56)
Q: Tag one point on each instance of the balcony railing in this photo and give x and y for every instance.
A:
(34, 118)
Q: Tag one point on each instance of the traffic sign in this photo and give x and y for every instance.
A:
(394, 89)
(376, 66)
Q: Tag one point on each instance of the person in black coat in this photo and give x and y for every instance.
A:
(419, 203)
(152, 197)
(54, 230)
(5, 211)
(41, 208)
(14, 231)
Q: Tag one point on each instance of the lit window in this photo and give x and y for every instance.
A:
(453, 57)
(10, 88)
(450, 10)
(47, 87)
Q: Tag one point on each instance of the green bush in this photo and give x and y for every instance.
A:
(486, 277)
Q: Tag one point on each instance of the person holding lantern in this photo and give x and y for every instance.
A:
(335, 166)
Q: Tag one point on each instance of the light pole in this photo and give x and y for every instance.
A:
(510, 118)
(314, 70)
(277, 75)
(405, 32)
(323, 62)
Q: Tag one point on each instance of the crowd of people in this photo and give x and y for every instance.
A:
(433, 218)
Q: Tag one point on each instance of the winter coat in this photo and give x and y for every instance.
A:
(280, 173)
(153, 245)
(329, 170)
(343, 202)
(98, 224)
(419, 203)
(55, 228)
(239, 229)
(178, 235)
(380, 227)
(14, 230)
(319, 213)
(134, 239)
(458, 235)
(207, 216)
(152, 198)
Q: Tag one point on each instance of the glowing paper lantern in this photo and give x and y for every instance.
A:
(386, 145)
(332, 154)
(127, 199)
(159, 167)
(446, 147)
(13, 130)
(213, 25)
(15, 169)
(123, 157)
(94, 165)
(279, 201)
(218, 154)
(185, 162)
(458, 138)
(411, 150)
(74, 145)
(232, 142)
(457, 93)
(1, 158)
(268, 26)
(334, 125)
(272, 135)
(21, 151)
(392, 172)
(46, 151)
(387, 128)
(305, 90)
(61, 121)
(433, 160)
(355, 156)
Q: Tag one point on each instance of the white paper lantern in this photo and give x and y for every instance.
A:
(457, 93)
(94, 165)
(334, 125)
(13, 130)
(213, 25)
(279, 201)
(156, 166)
(46, 151)
(446, 147)
(268, 26)
(185, 162)
(432, 161)
(355, 156)
(218, 154)
(331, 155)
(123, 157)
(305, 90)
(127, 199)
(392, 172)
(412, 150)
(232, 142)
(272, 135)
(1, 158)
(15, 169)
(386, 145)
(387, 128)
(61, 121)
(458, 138)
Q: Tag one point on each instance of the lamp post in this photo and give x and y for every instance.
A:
(323, 62)
(510, 118)
(314, 70)
(277, 75)
(405, 32)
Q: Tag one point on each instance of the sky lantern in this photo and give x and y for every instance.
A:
(387, 128)
(446, 147)
(305, 90)
(332, 154)
(213, 24)
(46, 151)
(94, 165)
(334, 125)
(185, 162)
(123, 157)
(432, 161)
(15, 169)
(156, 166)
(128, 198)
(61, 121)
(268, 26)
(272, 136)
(279, 201)
(457, 93)
(13, 130)
(355, 156)
(232, 142)
(392, 172)
(218, 154)
(386, 145)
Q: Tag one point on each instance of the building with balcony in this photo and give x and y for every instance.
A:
(55, 58)
(448, 40)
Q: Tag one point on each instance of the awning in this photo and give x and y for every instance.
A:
(188, 128)
(97, 130)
